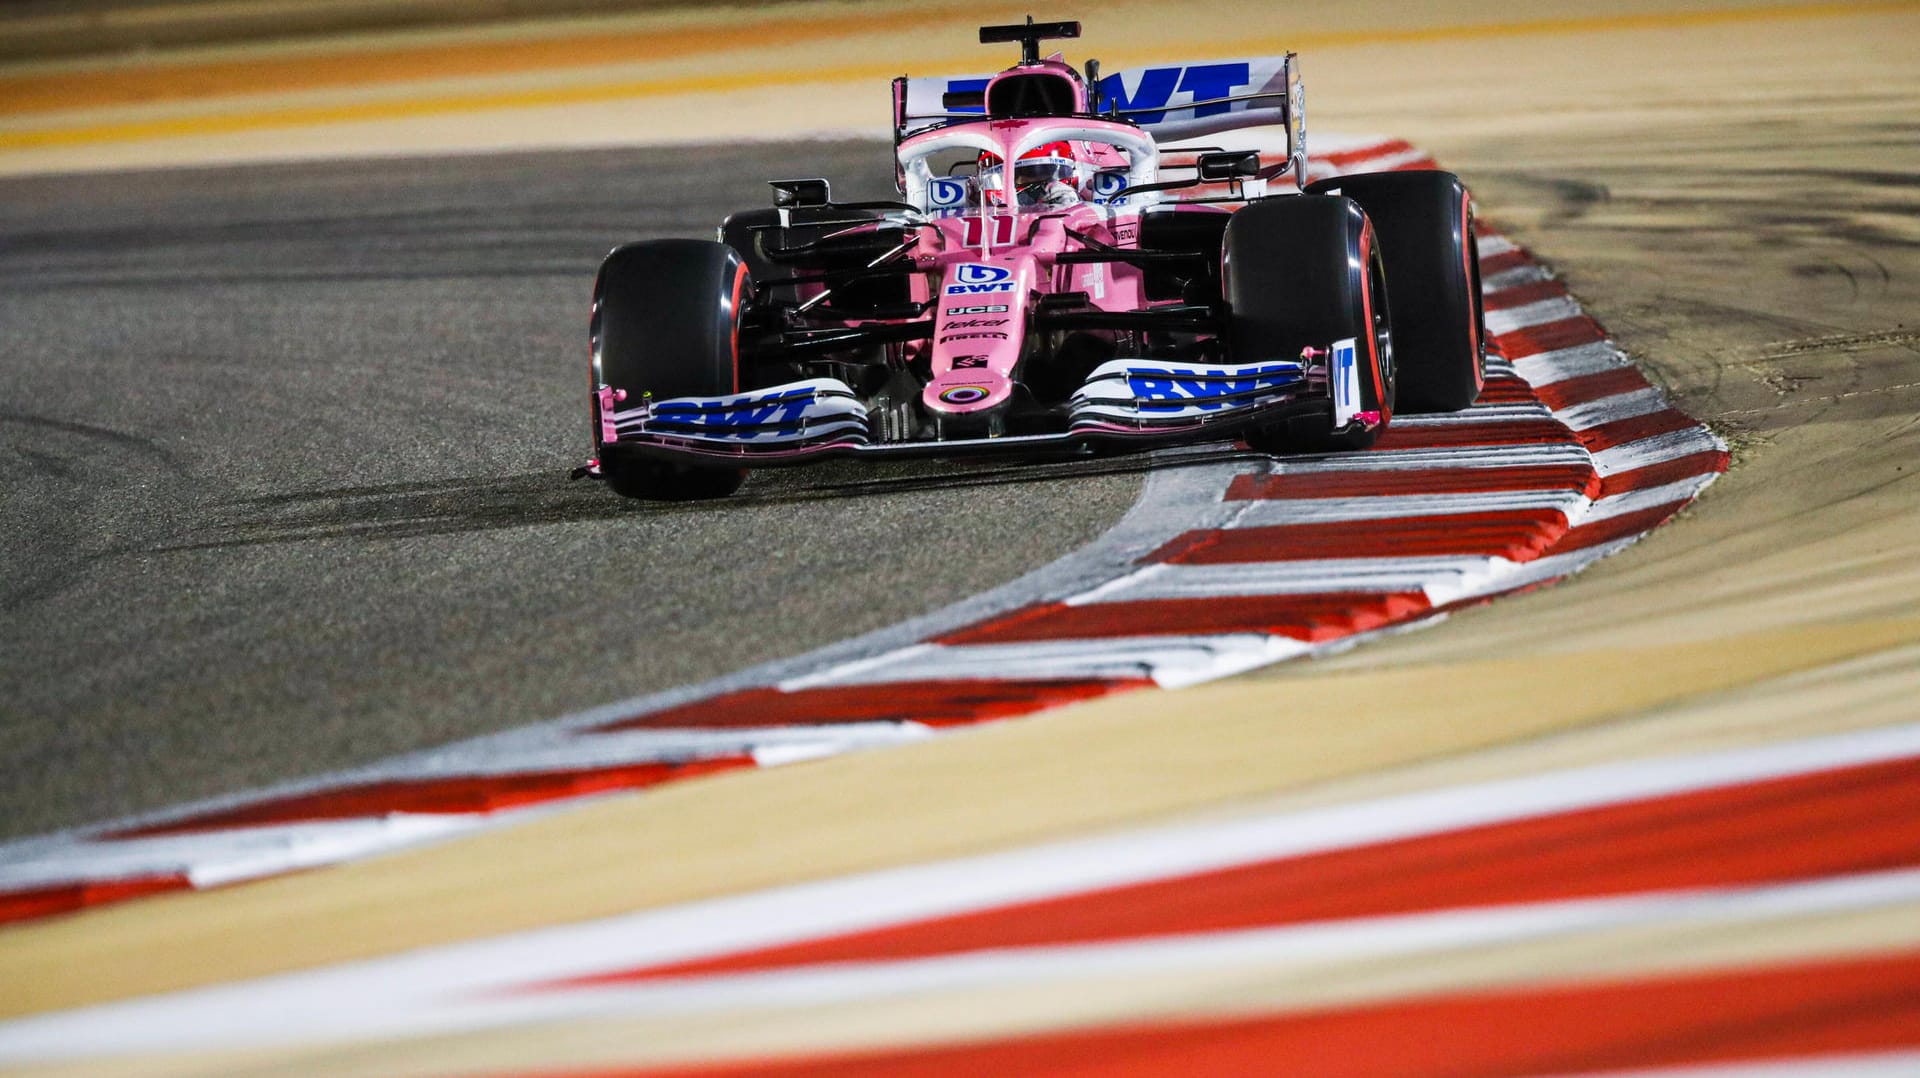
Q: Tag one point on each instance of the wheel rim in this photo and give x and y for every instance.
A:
(1382, 324)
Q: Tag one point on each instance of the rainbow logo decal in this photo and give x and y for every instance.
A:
(963, 394)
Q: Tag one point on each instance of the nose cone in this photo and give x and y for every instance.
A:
(979, 328)
(967, 391)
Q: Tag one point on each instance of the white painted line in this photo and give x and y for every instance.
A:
(470, 985)
(1557, 309)
(1657, 450)
(1497, 283)
(1269, 512)
(1479, 413)
(1495, 245)
(1861, 1065)
(211, 858)
(1564, 363)
(1170, 661)
(1470, 456)
(1676, 493)
(1164, 581)
(1590, 414)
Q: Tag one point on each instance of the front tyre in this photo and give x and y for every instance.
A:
(666, 323)
(1425, 223)
(1304, 272)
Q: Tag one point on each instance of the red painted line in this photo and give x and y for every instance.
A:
(1549, 337)
(1593, 387)
(1670, 471)
(1724, 1016)
(1520, 295)
(31, 903)
(1636, 428)
(1493, 432)
(1518, 534)
(1302, 617)
(1843, 821)
(1344, 159)
(935, 703)
(1619, 527)
(1501, 389)
(455, 795)
(1579, 478)
(1504, 261)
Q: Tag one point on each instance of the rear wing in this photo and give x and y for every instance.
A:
(1174, 102)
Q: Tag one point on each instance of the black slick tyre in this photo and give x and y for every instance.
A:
(1303, 272)
(1425, 224)
(666, 323)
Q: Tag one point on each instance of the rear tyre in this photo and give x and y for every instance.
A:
(1425, 224)
(1304, 272)
(666, 323)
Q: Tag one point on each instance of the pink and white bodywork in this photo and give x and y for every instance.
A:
(969, 317)
(987, 258)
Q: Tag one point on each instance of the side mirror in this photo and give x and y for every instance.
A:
(1229, 165)
(791, 194)
(964, 101)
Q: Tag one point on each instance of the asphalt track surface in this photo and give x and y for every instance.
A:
(284, 456)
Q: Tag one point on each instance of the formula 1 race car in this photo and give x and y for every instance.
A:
(1077, 264)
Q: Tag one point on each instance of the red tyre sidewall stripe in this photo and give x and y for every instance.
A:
(1373, 338)
(733, 311)
(1474, 299)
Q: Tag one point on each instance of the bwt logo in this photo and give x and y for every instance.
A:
(977, 273)
(1154, 90)
(739, 415)
(975, 278)
(947, 192)
(1206, 393)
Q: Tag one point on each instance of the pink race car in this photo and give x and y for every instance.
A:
(1077, 264)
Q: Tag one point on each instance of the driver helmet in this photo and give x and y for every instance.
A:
(1046, 175)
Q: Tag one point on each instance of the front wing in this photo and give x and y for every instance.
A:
(1124, 404)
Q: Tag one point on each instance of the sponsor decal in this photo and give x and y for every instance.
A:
(1346, 382)
(968, 86)
(963, 363)
(1094, 281)
(1108, 184)
(999, 308)
(798, 411)
(1153, 88)
(963, 394)
(1204, 389)
(945, 193)
(1165, 99)
(977, 323)
(740, 412)
(980, 273)
(972, 278)
(987, 336)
